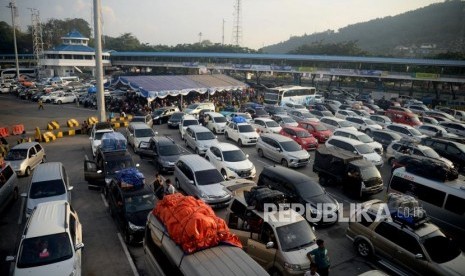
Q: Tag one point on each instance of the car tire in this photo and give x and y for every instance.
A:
(275, 272)
(391, 161)
(27, 172)
(208, 158)
(284, 163)
(197, 151)
(363, 248)
(368, 132)
(260, 152)
(127, 236)
(323, 180)
(240, 143)
(224, 174)
(59, 102)
(226, 136)
(215, 131)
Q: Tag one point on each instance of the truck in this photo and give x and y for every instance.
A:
(164, 257)
(358, 176)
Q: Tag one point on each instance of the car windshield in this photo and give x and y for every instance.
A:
(246, 128)
(115, 165)
(176, 116)
(234, 156)
(320, 127)
(344, 124)
(138, 119)
(207, 135)
(370, 172)
(307, 115)
(169, 150)
(327, 113)
(290, 146)
(220, 119)
(192, 106)
(16, 154)
(415, 132)
(287, 120)
(279, 109)
(47, 188)
(139, 203)
(364, 149)
(441, 249)
(208, 177)
(98, 135)
(190, 123)
(299, 106)
(303, 134)
(369, 122)
(431, 153)
(365, 138)
(271, 124)
(157, 112)
(144, 132)
(295, 236)
(44, 250)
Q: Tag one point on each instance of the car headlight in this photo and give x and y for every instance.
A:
(134, 227)
(107, 181)
(293, 160)
(203, 195)
(292, 267)
(232, 169)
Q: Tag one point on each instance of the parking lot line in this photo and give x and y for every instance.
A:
(21, 211)
(128, 256)
(104, 200)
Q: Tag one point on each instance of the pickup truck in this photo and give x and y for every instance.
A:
(164, 257)
(358, 176)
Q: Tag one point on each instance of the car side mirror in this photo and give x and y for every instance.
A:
(218, 158)
(355, 152)
(90, 138)
(70, 188)
(278, 149)
(269, 245)
(191, 182)
(99, 171)
(24, 195)
(78, 246)
(10, 258)
(418, 256)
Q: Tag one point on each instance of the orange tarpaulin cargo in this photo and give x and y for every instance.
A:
(192, 224)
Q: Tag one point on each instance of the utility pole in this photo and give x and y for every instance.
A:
(237, 26)
(12, 7)
(38, 44)
(200, 38)
(98, 63)
(222, 37)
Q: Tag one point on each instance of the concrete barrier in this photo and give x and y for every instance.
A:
(70, 132)
(4, 132)
(72, 123)
(53, 125)
(48, 137)
(92, 120)
(17, 129)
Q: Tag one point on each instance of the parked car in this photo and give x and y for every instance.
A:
(163, 114)
(257, 113)
(362, 113)
(356, 147)
(9, 189)
(129, 207)
(284, 120)
(385, 138)
(319, 114)
(243, 133)
(318, 130)
(199, 178)
(333, 123)
(406, 131)
(428, 120)
(195, 108)
(51, 243)
(162, 151)
(175, 119)
(302, 115)
(146, 119)
(245, 115)
(381, 120)
(96, 135)
(275, 110)
(138, 132)
(363, 124)
(412, 250)
(405, 147)
(435, 131)
(186, 121)
(215, 122)
(65, 98)
(342, 114)
(266, 125)
(301, 136)
(25, 157)
(199, 139)
(454, 128)
(451, 150)
(231, 161)
(288, 106)
(417, 108)
(359, 136)
(282, 150)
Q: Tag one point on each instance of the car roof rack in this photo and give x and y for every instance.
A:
(406, 211)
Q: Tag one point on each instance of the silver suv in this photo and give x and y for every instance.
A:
(282, 149)
(25, 157)
(199, 138)
(406, 147)
(199, 178)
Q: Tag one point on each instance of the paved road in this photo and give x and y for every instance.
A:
(104, 252)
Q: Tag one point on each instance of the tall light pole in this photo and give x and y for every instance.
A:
(12, 6)
(98, 63)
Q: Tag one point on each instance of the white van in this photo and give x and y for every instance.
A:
(195, 108)
(356, 147)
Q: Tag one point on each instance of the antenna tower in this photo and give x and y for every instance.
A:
(38, 44)
(237, 25)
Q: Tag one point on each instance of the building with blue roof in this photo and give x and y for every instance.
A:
(72, 56)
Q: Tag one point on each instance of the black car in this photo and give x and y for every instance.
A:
(163, 151)
(451, 150)
(384, 137)
(130, 208)
(300, 188)
(175, 119)
(275, 110)
(257, 113)
(163, 114)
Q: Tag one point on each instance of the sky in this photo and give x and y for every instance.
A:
(263, 22)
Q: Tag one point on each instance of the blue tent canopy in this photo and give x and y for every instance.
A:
(153, 87)
(92, 90)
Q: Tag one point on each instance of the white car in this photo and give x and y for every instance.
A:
(342, 114)
(231, 161)
(333, 123)
(363, 124)
(242, 133)
(51, 242)
(138, 132)
(356, 147)
(285, 120)
(453, 127)
(49, 97)
(360, 136)
(381, 120)
(215, 122)
(64, 98)
(406, 131)
(434, 131)
(96, 136)
(187, 120)
(266, 125)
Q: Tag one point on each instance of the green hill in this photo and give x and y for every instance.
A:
(438, 28)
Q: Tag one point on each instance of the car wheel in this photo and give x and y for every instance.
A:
(368, 132)
(240, 143)
(224, 174)
(208, 158)
(391, 161)
(127, 236)
(59, 102)
(28, 171)
(363, 248)
(275, 272)
(284, 163)
(160, 168)
(322, 180)
(226, 136)
(260, 152)
(214, 131)
(197, 151)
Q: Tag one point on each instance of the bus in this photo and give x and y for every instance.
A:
(293, 94)
(10, 73)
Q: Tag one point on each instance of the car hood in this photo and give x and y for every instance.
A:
(299, 257)
(222, 125)
(301, 154)
(241, 165)
(375, 126)
(56, 269)
(213, 190)
(138, 218)
(324, 133)
(32, 202)
(16, 164)
(455, 266)
(372, 157)
(308, 140)
(275, 129)
(169, 158)
(250, 134)
(141, 139)
(207, 143)
(294, 124)
(447, 161)
(322, 198)
(375, 145)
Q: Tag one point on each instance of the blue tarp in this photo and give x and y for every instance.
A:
(92, 90)
(153, 87)
(130, 178)
(113, 141)
(239, 119)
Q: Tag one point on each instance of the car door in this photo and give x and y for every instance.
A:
(6, 188)
(275, 151)
(190, 188)
(40, 152)
(408, 248)
(216, 157)
(147, 150)
(382, 238)
(90, 172)
(190, 138)
(267, 147)
(74, 230)
(130, 135)
(257, 245)
(32, 157)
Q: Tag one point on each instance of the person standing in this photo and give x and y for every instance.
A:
(158, 187)
(41, 104)
(169, 189)
(313, 270)
(320, 258)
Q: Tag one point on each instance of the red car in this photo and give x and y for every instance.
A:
(319, 131)
(301, 136)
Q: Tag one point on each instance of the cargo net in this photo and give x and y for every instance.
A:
(258, 196)
(113, 141)
(432, 170)
(192, 224)
(130, 179)
(406, 210)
